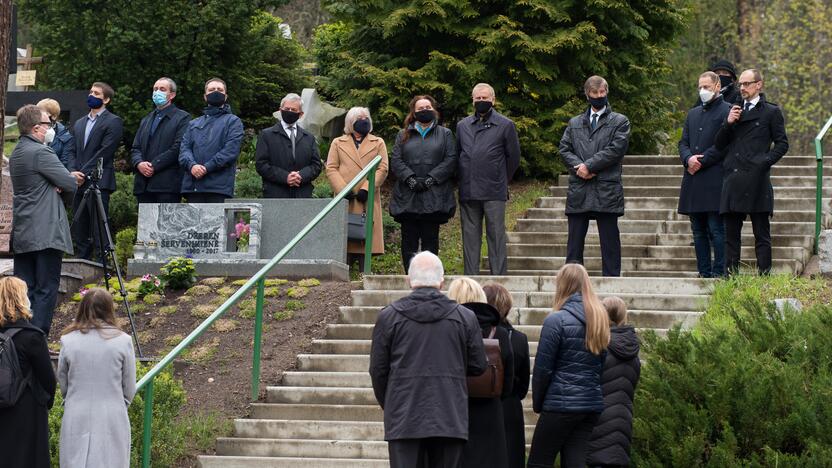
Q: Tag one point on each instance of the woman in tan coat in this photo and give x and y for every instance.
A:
(348, 155)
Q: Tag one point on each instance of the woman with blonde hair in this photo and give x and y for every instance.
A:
(24, 425)
(97, 373)
(60, 140)
(566, 383)
(348, 155)
(500, 298)
(486, 430)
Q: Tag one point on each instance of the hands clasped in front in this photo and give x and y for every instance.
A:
(294, 179)
(583, 172)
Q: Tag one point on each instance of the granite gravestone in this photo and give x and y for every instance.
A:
(6, 197)
(202, 231)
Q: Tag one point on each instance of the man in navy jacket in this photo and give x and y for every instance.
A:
(155, 153)
(210, 148)
(702, 180)
(97, 137)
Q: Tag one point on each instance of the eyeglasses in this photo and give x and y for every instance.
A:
(745, 84)
(45, 123)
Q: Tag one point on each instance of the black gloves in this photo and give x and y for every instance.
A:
(429, 181)
(361, 196)
(420, 185)
(349, 196)
(411, 182)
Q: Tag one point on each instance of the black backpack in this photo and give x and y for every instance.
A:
(12, 380)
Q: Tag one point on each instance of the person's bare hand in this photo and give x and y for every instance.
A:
(694, 163)
(583, 172)
(145, 168)
(79, 177)
(734, 115)
(198, 171)
(293, 179)
(58, 189)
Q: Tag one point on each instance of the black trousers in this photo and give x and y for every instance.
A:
(154, 197)
(564, 433)
(41, 271)
(204, 197)
(610, 240)
(414, 231)
(733, 241)
(84, 235)
(431, 452)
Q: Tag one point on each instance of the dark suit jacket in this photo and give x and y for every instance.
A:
(274, 162)
(701, 192)
(751, 146)
(161, 150)
(103, 142)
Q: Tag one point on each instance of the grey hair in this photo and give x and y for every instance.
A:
(292, 97)
(171, 83)
(595, 83)
(484, 86)
(425, 271)
(352, 115)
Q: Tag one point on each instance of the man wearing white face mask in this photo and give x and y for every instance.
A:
(40, 233)
(155, 152)
(702, 180)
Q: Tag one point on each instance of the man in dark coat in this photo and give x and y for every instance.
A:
(155, 153)
(210, 148)
(287, 156)
(727, 80)
(489, 155)
(40, 233)
(754, 139)
(593, 147)
(702, 180)
(424, 346)
(97, 137)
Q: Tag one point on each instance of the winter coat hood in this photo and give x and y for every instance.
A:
(487, 315)
(623, 342)
(433, 305)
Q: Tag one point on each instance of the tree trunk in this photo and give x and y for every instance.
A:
(5, 44)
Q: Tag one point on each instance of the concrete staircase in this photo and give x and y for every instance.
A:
(324, 414)
(656, 241)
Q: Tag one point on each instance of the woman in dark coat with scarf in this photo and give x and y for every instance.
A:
(515, 424)
(486, 445)
(609, 444)
(424, 160)
(24, 427)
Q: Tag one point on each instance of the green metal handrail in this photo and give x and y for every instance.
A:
(146, 382)
(819, 188)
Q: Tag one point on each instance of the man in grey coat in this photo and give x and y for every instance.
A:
(593, 147)
(489, 155)
(40, 232)
(424, 345)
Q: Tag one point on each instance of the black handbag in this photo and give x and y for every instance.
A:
(356, 226)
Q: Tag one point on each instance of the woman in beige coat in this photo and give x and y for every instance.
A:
(348, 155)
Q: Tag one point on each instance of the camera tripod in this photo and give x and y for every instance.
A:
(99, 230)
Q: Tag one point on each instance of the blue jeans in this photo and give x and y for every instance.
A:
(709, 233)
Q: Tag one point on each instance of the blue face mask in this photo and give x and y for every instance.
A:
(160, 98)
(94, 102)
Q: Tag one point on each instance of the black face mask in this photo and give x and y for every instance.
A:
(725, 81)
(424, 116)
(598, 103)
(482, 106)
(289, 117)
(215, 99)
(361, 127)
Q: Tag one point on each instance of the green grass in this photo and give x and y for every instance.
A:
(523, 196)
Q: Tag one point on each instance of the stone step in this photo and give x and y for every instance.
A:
(664, 251)
(658, 227)
(340, 449)
(676, 181)
(672, 203)
(639, 301)
(657, 190)
(320, 395)
(678, 170)
(673, 160)
(670, 214)
(214, 461)
(547, 283)
(779, 265)
(687, 274)
(646, 239)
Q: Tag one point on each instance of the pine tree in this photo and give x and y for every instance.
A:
(536, 54)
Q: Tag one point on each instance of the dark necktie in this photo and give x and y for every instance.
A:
(292, 137)
(157, 117)
(747, 106)
(594, 122)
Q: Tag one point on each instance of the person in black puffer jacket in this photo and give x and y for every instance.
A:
(486, 446)
(513, 418)
(610, 442)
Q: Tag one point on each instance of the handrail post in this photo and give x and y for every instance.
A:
(368, 237)
(148, 421)
(258, 335)
(819, 184)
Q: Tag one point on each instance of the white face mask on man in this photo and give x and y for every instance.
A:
(49, 136)
(706, 95)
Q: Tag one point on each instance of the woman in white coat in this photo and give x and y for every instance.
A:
(97, 376)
